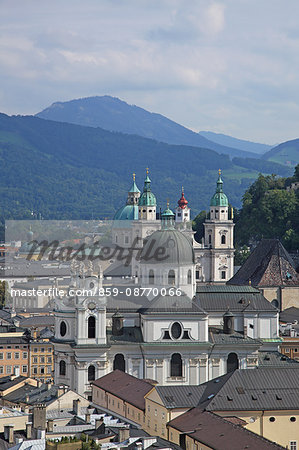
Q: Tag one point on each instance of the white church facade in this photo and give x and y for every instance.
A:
(173, 319)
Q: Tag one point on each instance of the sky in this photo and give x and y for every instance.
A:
(228, 66)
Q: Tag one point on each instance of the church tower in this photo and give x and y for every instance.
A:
(218, 236)
(147, 201)
(182, 212)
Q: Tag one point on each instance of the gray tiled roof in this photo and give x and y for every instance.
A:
(236, 298)
(258, 389)
(216, 336)
(180, 396)
(276, 359)
(289, 315)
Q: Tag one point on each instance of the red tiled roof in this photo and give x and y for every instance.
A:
(125, 387)
(217, 433)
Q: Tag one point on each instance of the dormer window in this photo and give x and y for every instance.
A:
(176, 330)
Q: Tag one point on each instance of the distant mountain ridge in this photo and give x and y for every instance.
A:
(286, 153)
(67, 171)
(113, 114)
(240, 144)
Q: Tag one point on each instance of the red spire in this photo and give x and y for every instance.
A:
(182, 201)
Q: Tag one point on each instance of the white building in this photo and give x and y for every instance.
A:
(162, 323)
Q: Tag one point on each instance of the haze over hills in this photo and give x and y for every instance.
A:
(286, 153)
(64, 171)
(240, 144)
(114, 114)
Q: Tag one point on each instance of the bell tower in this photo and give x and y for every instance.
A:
(219, 237)
(147, 201)
(182, 212)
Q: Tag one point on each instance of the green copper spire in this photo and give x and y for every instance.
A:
(134, 187)
(219, 198)
(147, 198)
(167, 219)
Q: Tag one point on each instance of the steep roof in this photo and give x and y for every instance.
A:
(289, 315)
(268, 265)
(218, 433)
(125, 386)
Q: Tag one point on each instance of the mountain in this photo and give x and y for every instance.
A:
(68, 171)
(240, 144)
(286, 153)
(114, 114)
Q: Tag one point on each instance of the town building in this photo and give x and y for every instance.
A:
(184, 331)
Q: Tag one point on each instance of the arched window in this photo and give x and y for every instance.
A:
(210, 239)
(62, 368)
(62, 328)
(91, 327)
(91, 373)
(171, 277)
(189, 277)
(223, 239)
(232, 362)
(119, 362)
(151, 277)
(176, 365)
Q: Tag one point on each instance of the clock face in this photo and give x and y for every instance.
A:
(91, 305)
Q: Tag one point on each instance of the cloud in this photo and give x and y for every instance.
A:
(208, 64)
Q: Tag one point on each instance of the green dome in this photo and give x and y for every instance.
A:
(127, 212)
(147, 198)
(219, 198)
(167, 218)
(179, 249)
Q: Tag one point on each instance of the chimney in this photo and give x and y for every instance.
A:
(50, 425)
(88, 414)
(41, 434)
(117, 324)
(124, 433)
(9, 433)
(100, 426)
(29, 430)
(39, 417)
(139, 446)
(76, 405)
(245, 331)
(60, 390)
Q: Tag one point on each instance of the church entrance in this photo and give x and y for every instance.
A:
(119, 362)
(232, 362)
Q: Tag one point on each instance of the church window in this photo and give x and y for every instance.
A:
(223, 239)
(176, 365)
(119, 362)
(91, 373)
(189, 277)
(223, 275)
(115, 238)
(149, 210)
(232, 362)
(62, 328)
(126, 239)
(151, 277)
(62, 368)
(197, 274)
(91, 327)
(210, 238)
(171, 277)
(176, 330)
